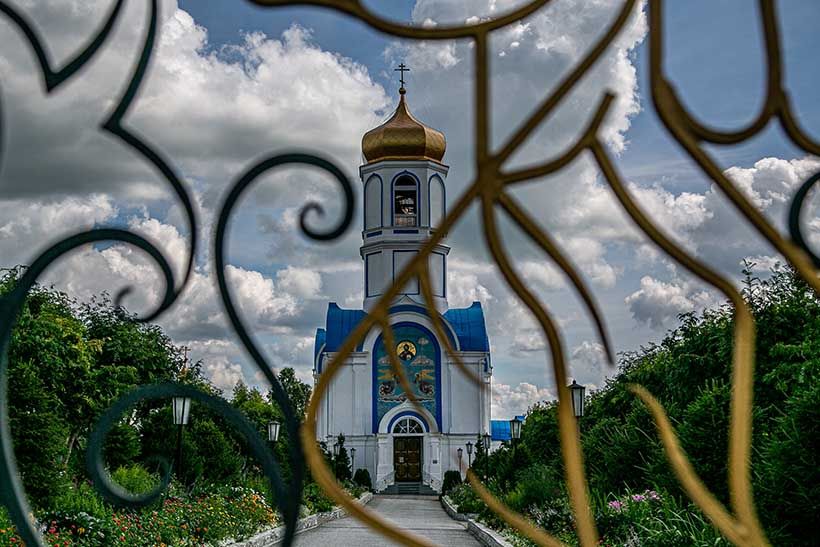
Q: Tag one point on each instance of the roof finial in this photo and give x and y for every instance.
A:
(402, 69)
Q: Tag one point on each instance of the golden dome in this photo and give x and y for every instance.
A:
(403, 137)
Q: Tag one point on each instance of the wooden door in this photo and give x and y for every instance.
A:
(407, 458)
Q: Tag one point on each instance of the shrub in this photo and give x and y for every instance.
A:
(451, 480)
(353, 489)
(362, 478)
(537, 485)
(82, 499)
(791, 469)
(316, 500)
(135, 478)
(465, 499)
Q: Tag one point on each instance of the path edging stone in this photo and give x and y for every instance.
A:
(274, 536)
(485, 535)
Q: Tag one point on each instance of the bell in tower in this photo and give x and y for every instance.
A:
(404, 202)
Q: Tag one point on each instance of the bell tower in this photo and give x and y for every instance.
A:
(404, 203)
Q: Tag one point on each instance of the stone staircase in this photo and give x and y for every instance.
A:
(409, 489)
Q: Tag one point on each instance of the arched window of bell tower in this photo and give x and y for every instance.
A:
(373, 203)
(405, 201)
(436, 203)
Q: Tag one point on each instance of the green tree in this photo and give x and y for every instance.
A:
(39, 434)
(298, 391)
(341, 463)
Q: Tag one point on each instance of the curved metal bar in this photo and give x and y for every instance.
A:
(114, 126)
(52, 78)
(115, 494)
(796, 207)
(743, 361)
(438, 326)
(551, 102)
(358, 10)
(553, 250)
(669, 113)
(567, 424)
(291, 510)
(11, 489)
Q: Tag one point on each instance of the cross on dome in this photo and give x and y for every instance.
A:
(402, 69)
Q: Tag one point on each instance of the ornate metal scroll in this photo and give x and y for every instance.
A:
(738, 522)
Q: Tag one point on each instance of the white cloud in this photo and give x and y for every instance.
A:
(509, 401)
(465, 288)
(528, 340)
(300, 282)
(762, 263)
(658, 303)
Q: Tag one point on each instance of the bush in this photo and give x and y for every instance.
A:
(135, 478)
(362, 478)
(537, 485)
(465, 499)
(316, 500)
(451, 480)
(791, 470)
(82, 499)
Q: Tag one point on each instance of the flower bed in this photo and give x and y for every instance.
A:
(648, 518)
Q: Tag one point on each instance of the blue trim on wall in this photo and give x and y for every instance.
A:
(374, 234)
(399, 231)
(367, 274)
(405, 414)
(393, 277)
(374, 389)
(381, 202)
(430, 200)
(393, 196)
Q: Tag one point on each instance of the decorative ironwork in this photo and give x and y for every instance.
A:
(738, 522)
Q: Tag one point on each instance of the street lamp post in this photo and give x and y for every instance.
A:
(469, 455)
(515, 429)
(487, 440)
(273, 431)
(460, 452)
(181, 407)
(335, 459)
(577, 392)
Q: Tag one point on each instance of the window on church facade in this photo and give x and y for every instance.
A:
(408, 427)
(405, 205)
(373, 203)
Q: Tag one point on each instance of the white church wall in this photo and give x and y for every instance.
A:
(466, 399)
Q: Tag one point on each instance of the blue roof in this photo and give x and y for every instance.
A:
(468, 323)
(340, 323)
(318, 343)
(500, 429)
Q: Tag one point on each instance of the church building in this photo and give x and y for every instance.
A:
(405, 200)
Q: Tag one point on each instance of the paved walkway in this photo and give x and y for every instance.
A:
(420, 515)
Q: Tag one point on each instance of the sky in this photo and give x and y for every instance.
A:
(232, 82)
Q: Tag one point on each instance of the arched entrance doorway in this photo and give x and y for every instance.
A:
(407, 450)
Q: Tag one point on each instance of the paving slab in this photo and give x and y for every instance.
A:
(421, 515)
